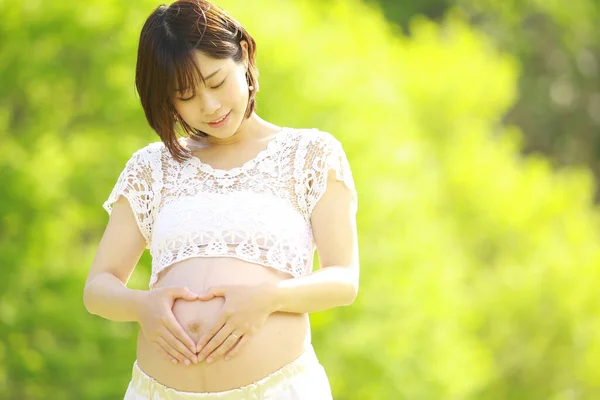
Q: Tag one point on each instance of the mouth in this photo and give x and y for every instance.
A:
(220, 121)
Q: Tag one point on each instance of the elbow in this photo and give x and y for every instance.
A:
(352, 287)
(88, 302)
(352, 292)
(86, 299)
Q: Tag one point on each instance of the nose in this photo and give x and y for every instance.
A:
(209, 104)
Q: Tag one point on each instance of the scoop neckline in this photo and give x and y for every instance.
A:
(194, 160)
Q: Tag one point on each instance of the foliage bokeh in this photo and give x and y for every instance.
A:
(557, 44)
(478, 263)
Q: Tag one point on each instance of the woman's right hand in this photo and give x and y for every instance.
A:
(159, 325)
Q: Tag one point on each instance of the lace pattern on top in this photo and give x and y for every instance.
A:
(259, 212)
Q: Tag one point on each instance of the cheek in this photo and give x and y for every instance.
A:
(186, 110)
(234, 92)
(239, 89)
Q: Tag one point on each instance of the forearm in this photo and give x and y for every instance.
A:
(106, 296)
(321, 290)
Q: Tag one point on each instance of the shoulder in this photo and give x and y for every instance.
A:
(151, 150)
(315, 136)
(145, 161)
(316, 140)
(316, 143)
(148, 154)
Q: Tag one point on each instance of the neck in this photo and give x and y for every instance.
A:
(235, 138)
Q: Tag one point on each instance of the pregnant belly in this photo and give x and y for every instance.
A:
(281, 340)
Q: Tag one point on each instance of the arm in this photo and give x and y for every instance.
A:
(105, 293)
(336, 283)
(108, 297)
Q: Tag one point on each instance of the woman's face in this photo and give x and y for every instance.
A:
(226, 92)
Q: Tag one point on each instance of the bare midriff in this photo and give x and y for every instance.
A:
(282, 339)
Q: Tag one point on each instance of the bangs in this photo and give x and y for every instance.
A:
(184, 74)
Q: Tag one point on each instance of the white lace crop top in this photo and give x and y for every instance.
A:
(259, 212)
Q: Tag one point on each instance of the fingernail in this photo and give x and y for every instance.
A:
(187, 362)
(209, 360)
(174, 361)
(227, 358)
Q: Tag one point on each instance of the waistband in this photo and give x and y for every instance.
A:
(144, 385)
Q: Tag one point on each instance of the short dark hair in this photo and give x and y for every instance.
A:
(166, 61)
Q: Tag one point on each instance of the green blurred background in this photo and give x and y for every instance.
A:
(472, 128)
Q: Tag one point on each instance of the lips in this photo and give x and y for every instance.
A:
(219, 119)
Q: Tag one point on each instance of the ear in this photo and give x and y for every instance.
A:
(245, 57)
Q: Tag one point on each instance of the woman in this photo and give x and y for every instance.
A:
(232, 213)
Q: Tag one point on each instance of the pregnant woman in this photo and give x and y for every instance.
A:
(232, 211)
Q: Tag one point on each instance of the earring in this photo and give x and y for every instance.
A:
(251, 88)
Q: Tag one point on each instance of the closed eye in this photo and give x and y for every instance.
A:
(212, 87)
(219, 85)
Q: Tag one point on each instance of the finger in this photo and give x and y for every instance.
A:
(211, 332)
(182, 292)
(175, 328)
(215, 342)
(227, 345)
(206, 296)
(190, 357)
(165, 352)
(216, 291)
(239, 345)
(170, 350)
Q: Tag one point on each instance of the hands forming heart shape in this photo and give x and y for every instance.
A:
(244, 312)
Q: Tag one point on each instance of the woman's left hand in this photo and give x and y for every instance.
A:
(244, 312)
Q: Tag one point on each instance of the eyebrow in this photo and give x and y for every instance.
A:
(205, 78)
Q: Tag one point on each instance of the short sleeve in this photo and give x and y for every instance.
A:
(136, 183)
(324, 156)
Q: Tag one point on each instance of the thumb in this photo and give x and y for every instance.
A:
(212, 292)
(184, 293)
